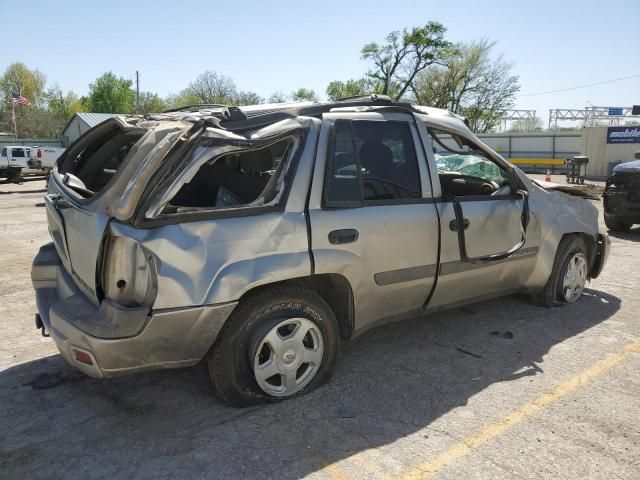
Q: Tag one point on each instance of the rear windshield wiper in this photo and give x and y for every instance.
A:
(77, 185)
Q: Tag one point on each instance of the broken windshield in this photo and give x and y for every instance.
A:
(455, 154)
(470, 165)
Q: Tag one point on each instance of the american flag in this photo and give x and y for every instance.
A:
(19, 99)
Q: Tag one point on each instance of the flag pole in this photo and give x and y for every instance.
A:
(15, 121)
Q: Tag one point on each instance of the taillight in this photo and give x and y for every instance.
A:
(82, 357)
(128, 273)
(39, 154)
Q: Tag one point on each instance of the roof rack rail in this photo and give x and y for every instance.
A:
(372, 97)
(197, 105)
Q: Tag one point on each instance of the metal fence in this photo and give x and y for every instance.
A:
(536, 152)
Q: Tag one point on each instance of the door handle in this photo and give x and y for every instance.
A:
(453, 224)
(58, 202)
(345, 235)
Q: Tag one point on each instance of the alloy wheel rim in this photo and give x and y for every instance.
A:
(288, 357)
(575, 278)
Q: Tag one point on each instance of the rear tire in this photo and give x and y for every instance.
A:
(616, 225)
(571, 249)
(288, 332)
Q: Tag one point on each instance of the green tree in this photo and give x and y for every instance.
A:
(20, 79)
(181, 99)
(246, 98)
(472, 83)
(211, 87)
(351, 88)
(304, 94)
(62, 105)
(403, 55)
(527, 125)
(111, 94)
(151, 103)
(278, 97)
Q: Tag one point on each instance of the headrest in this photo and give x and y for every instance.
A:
(342, 159)
(256, 161)
(376, 152)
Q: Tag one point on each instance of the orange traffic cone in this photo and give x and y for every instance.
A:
(548, 177)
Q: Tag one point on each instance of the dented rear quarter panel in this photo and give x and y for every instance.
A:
(218, 260)
(215, 261)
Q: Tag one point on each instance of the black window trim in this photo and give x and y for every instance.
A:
(327, 204)
(141, 221)
(469, 198)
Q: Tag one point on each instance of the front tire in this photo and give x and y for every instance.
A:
(277, 344)
(568, 276)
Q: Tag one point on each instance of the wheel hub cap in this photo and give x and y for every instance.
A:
(288, 357)
(575, 278)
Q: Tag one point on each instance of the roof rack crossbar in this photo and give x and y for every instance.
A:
(372, 97)
(197, 105)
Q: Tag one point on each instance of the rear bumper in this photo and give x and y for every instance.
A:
(603, 247)
(115, 340)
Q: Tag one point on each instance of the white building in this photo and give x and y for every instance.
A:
(80, 123)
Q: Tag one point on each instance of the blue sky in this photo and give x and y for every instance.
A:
(269, 46)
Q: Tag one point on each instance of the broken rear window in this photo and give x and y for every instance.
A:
(91, 162)
(244, 178)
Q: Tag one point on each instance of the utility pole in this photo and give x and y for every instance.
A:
(137, 92)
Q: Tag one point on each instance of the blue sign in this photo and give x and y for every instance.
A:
(623, 135)
(615, 111)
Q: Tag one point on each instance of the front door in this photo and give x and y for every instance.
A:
(372, 215)
(500, 253)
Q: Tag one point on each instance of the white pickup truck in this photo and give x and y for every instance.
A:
(19, 161)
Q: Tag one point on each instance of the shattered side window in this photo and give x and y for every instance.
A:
(456, 155)
(243, 178)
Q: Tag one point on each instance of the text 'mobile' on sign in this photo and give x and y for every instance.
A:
(623, 135)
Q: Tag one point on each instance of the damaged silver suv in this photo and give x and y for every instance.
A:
(259, 238)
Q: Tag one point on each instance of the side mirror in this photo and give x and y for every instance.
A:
(514, 181)
(637, 155)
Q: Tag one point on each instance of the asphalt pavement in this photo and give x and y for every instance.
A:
(496, 390)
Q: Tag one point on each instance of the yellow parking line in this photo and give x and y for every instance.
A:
(332, 470)
(363, 459)
(434, 465)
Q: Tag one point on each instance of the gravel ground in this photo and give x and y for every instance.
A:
(499, 389)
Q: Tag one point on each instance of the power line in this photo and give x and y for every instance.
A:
(581, 86)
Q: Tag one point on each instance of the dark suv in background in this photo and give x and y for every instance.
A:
(622, 196)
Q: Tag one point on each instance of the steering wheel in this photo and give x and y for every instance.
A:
(502, 190)
(489, 186)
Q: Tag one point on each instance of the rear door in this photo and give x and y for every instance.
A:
(77, 234)
(76, 225)
(372, 215)
(17, 157)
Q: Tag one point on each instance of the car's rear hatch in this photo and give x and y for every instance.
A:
(93, 183)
